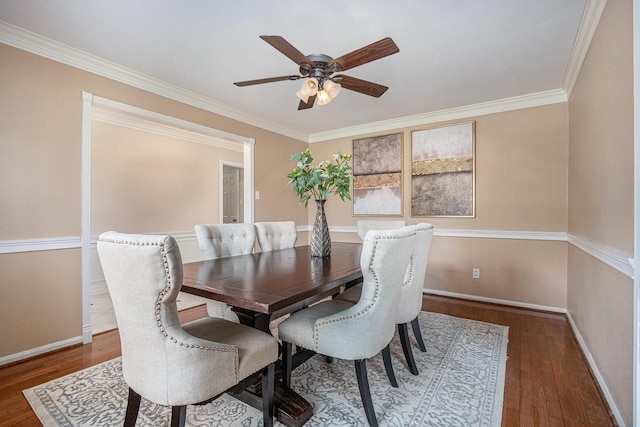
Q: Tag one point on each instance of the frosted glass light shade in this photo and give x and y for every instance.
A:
(303, 96)
(310, 86)
(323, 97)
(332, 88)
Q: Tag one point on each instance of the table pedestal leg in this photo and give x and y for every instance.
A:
(291, 409)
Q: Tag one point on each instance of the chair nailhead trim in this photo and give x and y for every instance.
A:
(164, 292)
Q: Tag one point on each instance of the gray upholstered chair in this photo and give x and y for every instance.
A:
(410, 303)
(359, 331)
(276, 235)
(220, 241)
(165, 362)
(365, 225)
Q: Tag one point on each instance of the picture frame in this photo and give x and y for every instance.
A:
(377, 175)
(443, 171)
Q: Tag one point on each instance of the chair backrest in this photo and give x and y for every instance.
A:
(410, 303)
(224, 240)
(144, 275)
(365, 225)
(365, 328)
(276, 235)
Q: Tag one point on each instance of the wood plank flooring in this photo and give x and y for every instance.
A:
(548, 382)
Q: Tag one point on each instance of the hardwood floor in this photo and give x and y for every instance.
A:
(548, 382)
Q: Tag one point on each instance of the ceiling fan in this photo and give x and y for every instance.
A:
(319, 71)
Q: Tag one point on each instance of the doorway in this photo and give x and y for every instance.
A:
(232, 193)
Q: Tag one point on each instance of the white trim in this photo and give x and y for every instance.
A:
(496, 301)
(502, 234)
(636, 209)
(497, 106)
(590, 19)
(178, 130)
(249, 174)
(16, 357)
(87, 101)
(612, 257)
(34, 245)
(596, 373)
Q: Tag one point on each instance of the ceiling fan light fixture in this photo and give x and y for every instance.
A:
(332, 88)
(303, 96)
(310, 86)
(323, 97)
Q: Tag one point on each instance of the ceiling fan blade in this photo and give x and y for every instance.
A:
(287, 49)
(377, 50)
(306, 105)
(362, 86)
(267, 80)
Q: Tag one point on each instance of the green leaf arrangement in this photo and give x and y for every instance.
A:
(320, 181)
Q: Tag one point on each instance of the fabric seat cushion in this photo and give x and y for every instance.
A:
(256, 349)
(299, 327)
(352, 294)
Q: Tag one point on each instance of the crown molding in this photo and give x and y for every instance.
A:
(590, 19)
(34, 43)
(498, 106)
(31, 42)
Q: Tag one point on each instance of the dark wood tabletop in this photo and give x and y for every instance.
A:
(267, 282)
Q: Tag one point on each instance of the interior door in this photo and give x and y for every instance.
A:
(231, 189)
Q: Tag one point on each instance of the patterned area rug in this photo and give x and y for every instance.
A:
(461, 383)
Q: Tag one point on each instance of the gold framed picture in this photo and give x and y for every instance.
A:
(443, 171)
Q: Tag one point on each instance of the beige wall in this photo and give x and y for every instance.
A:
(40, 188)
(142, 182)
(600, 299)
(521, 185)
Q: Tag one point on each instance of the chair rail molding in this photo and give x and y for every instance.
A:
(43, 244)
(616, 259)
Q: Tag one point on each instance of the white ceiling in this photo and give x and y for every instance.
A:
(453, 53)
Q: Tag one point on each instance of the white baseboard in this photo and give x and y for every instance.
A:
(596, 373)
(39, 350)
(496, 301)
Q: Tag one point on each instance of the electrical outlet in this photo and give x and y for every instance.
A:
(476, 273)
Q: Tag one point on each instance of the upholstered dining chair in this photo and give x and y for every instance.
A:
(276, 235)
(365, 225)
(220, 241)
(163, 361)
(410, 303)
(357, 332)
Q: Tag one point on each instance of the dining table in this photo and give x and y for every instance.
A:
(264, 286)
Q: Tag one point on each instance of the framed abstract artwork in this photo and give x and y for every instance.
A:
(377, 175)
(443, 171)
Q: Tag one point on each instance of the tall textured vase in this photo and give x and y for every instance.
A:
(320, 238)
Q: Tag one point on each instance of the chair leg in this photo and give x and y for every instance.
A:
(406, 348)
(268, 385)
(133, 405)
(328, 359)
(365, 393)
(287, 349)
(388, 366)
(178, 416)
(416, 333)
